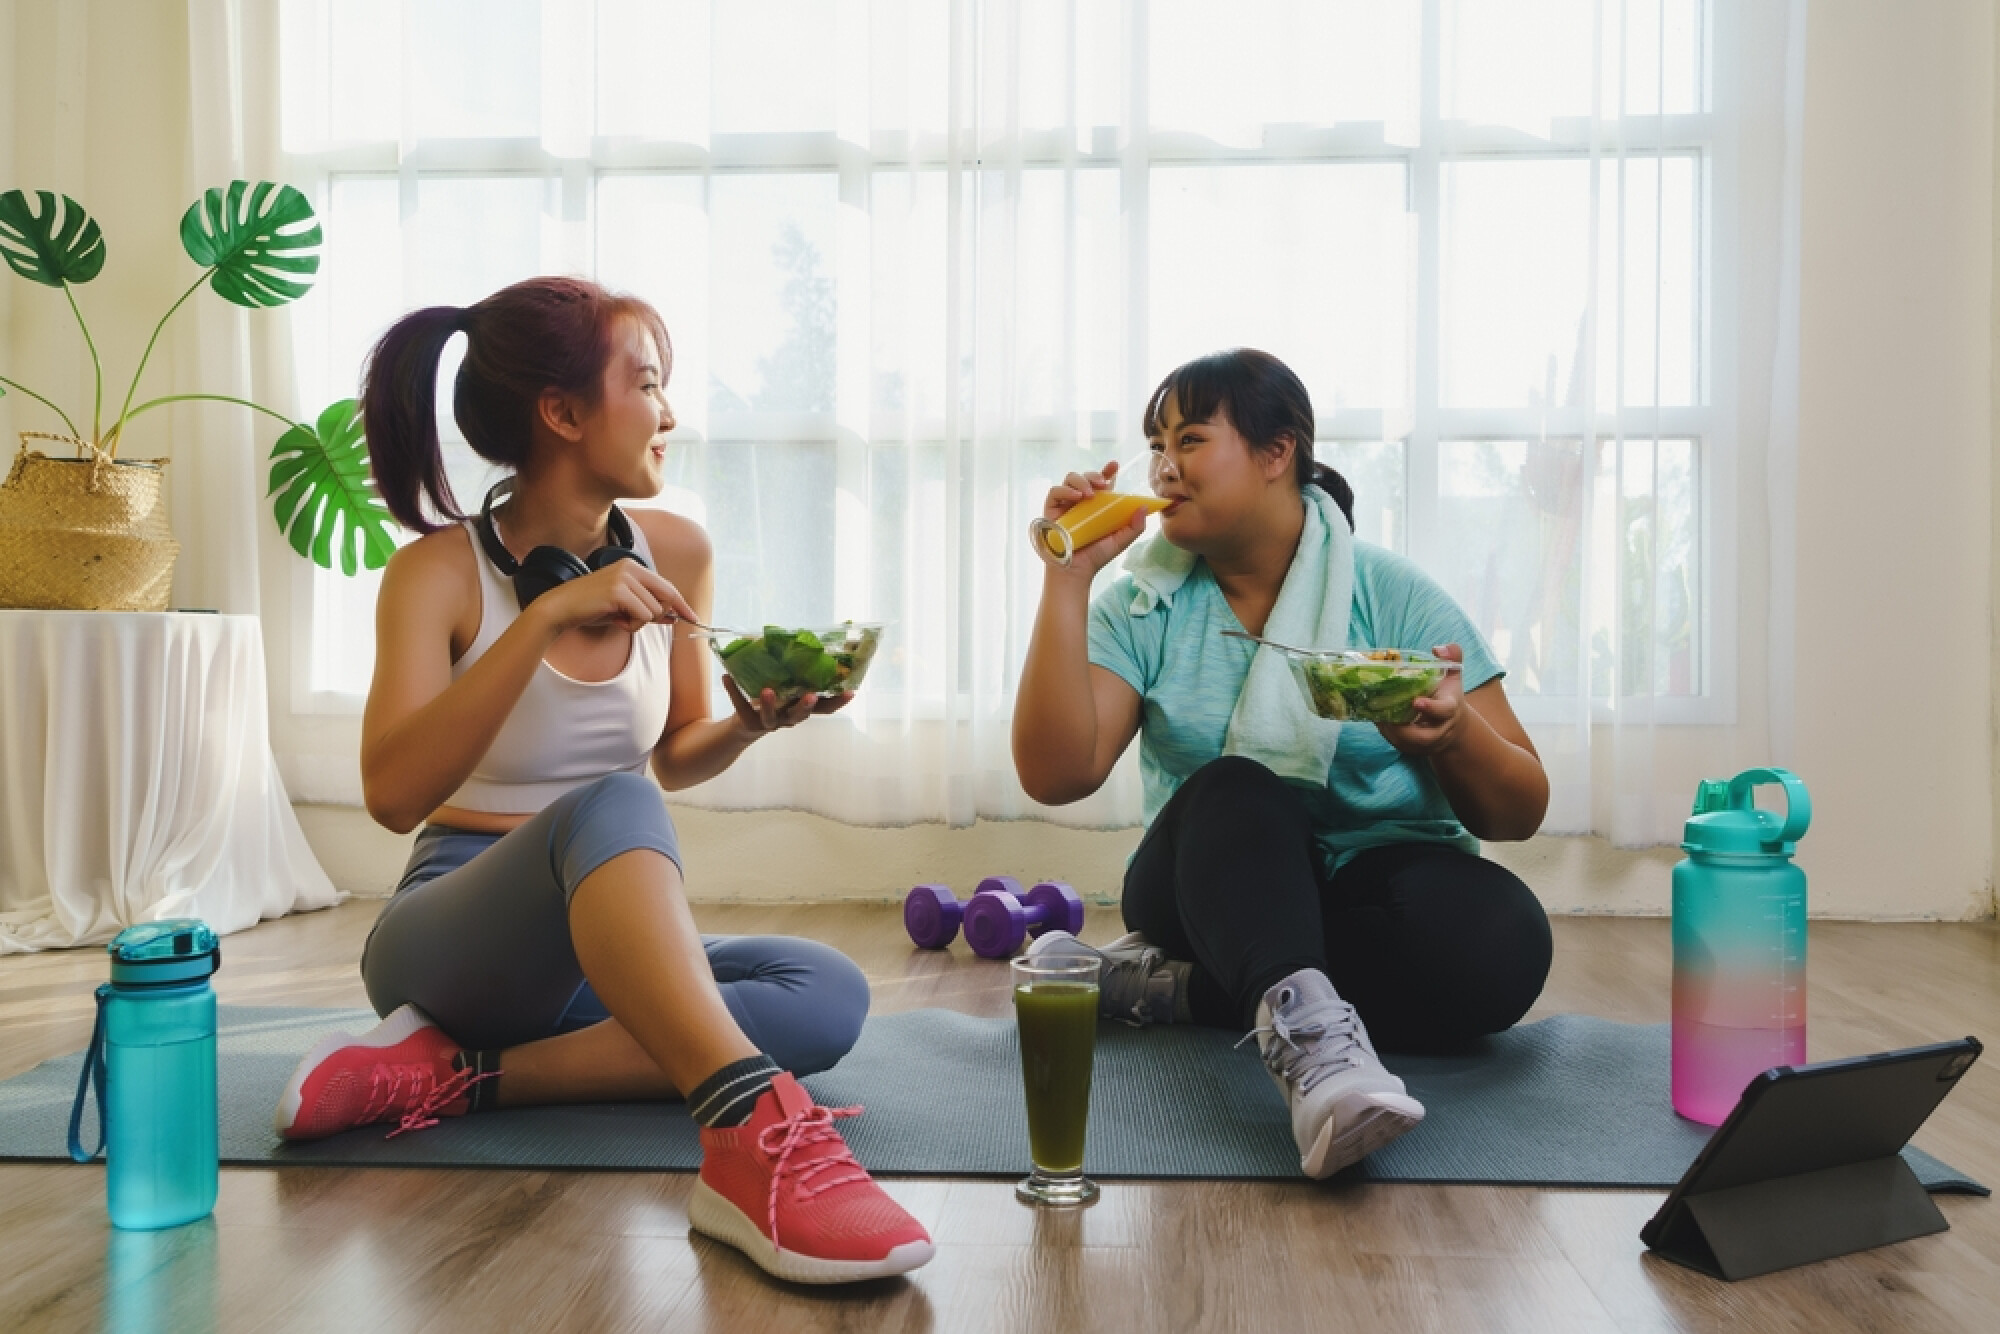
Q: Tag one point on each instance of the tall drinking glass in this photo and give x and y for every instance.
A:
(1055, 1007)
(1135, 486)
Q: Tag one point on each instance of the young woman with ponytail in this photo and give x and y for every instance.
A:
(1311, 882)
(527, 678)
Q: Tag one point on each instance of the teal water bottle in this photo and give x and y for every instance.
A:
(152, 1058)
(1739, 943)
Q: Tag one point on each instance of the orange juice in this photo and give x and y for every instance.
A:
(1091, 519)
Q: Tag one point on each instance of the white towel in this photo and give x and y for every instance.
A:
(1272, 723)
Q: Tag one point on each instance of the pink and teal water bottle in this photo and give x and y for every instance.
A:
(1739, 943)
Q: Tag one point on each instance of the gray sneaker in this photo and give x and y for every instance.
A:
(1344, 1104)
(1137, 983)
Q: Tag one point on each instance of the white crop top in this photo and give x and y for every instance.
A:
(564, 733)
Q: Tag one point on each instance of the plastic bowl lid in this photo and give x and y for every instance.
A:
(1406, 659)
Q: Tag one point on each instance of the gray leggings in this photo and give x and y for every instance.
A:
(477, 937)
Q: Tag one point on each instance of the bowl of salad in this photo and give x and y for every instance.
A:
(811, 661)
(1368, 685)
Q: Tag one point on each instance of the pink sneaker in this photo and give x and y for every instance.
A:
(400, 1070)
(784, 1189)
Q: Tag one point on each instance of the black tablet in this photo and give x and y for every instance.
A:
(1809, 1165)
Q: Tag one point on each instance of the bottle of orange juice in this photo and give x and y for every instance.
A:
(1097, 516)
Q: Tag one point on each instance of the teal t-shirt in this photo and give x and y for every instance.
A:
(1188, 677)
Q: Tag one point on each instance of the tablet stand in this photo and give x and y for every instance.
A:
(1741, 1231)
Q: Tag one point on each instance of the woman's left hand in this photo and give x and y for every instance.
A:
(1441, 717)
(765, 714)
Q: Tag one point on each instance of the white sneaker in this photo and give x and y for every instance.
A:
(1344, 1104)
(1136, 983)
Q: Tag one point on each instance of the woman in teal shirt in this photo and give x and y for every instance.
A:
(1312, 882)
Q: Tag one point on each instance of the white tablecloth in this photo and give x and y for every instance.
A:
(136, 779)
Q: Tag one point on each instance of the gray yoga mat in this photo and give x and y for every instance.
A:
(1568, 1101)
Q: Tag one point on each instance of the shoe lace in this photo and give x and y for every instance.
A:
(1127, 980)
(808, 1176)
(419, 1091)
(1305, 1054)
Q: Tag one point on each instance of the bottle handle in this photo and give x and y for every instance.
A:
(1798, 805)
(93, 1069)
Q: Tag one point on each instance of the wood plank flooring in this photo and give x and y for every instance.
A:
(353, 1250)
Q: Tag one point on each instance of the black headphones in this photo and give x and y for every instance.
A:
(547, 567)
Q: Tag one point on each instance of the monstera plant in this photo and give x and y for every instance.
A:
(257, 246)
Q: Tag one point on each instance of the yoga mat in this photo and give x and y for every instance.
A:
(1568, 1101)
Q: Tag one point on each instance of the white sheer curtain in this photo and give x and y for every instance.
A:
(1662, 439)
(1619, 615)
(217, 480)
(919, 259)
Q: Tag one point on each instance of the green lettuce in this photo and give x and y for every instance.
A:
(791, 663)
(1368, 692)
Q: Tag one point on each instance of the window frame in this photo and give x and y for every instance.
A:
(1133, 152)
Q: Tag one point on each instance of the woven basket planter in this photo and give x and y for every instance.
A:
(84, 534)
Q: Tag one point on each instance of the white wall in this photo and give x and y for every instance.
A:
(1895, 487)
(1993, 879)
(8, 46)
(97, 98)
(786, 856)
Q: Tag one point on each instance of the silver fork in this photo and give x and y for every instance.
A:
(1272, 643)
(1268, 643)
(712, 629)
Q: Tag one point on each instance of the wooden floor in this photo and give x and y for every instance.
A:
(355, 1250)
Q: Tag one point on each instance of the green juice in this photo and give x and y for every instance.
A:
(1058, 1027)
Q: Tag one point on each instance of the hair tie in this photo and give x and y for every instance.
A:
(462, 321)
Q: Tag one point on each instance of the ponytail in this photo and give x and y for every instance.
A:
(399, 414)
(1331, 482)
(536, 335)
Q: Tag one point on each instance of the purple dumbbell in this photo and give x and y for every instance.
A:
(931, 914)
(1000, 916)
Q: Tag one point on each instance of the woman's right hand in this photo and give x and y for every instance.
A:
(624, 593)
(1071, 491)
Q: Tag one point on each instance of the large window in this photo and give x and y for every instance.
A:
(921, 258)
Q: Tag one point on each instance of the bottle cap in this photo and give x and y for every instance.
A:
(1712, 795)
(164, 954)
(1726, 821)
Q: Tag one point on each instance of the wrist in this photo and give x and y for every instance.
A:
(1067, 583)
(1455, 736)
(541, 620)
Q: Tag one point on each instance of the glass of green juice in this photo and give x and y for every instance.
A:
(1055, 1008)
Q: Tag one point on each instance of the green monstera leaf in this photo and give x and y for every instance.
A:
(242, 235)
(55, 244)
(326, 493)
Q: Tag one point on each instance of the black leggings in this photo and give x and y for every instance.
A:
(1433, 945)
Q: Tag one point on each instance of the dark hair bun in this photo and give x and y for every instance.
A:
(1331, 482)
